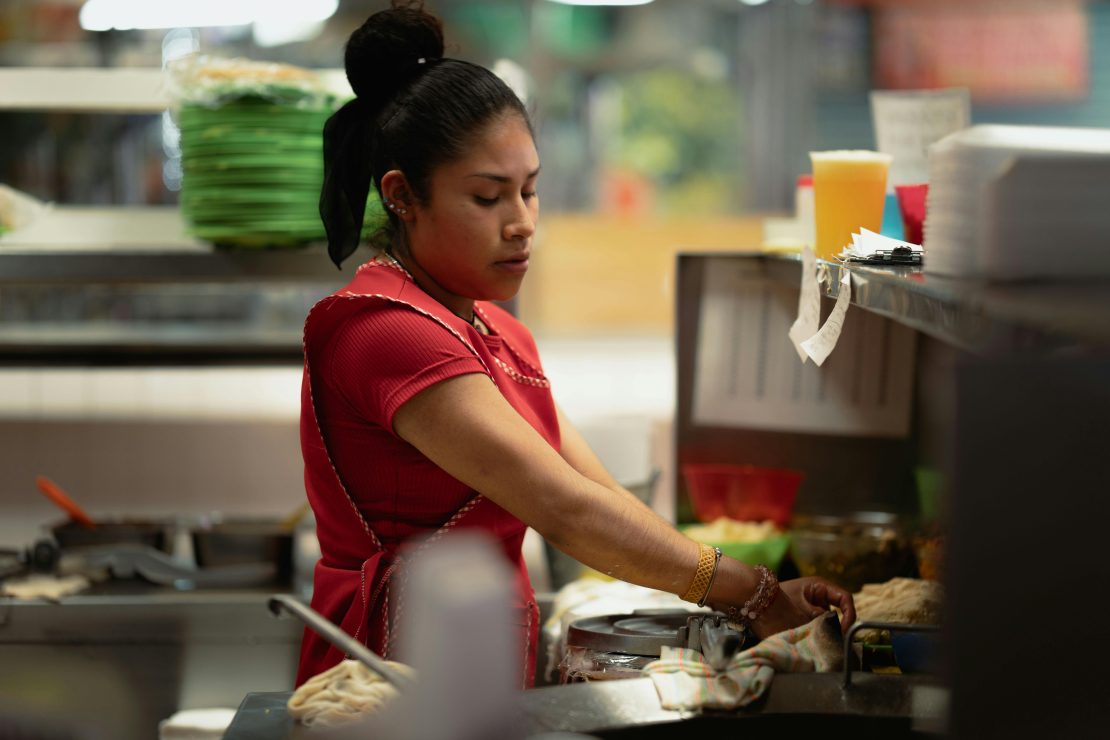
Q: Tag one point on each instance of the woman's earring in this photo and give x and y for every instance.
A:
(393, 207)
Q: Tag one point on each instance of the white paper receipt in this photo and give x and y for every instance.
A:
(820, 345)
(809, 304)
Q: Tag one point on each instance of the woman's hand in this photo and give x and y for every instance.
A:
(802, 600)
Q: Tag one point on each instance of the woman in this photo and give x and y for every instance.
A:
(403, 432)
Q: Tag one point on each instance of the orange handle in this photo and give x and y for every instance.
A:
(51, 490)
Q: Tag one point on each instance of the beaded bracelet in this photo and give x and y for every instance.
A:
(760, 601)
(708, 557)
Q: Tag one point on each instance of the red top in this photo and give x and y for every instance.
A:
(369, 348)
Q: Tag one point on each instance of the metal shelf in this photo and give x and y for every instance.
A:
(978, 317)
(203, 263)
(149, 345)
(103, 90)
(126, 285)
(157, 306)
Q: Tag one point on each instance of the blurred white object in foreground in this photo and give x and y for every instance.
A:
(460, 635)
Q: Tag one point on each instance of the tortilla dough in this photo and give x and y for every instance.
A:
(46, 587)
(344, 693)
(901, 601)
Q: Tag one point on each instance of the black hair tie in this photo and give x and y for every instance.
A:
(346, 178)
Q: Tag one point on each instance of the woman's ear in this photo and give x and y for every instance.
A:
(397, 195)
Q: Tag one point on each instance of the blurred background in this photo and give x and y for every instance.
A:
(659, 122)
(662, 126)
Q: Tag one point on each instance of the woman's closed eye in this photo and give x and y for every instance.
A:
(527, 195)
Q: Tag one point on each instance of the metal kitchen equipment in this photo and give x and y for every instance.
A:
(59, 498)
(128, 561)
(888, 626)
(340, 639)
(618, 646)
(170, 551)
(875, 705)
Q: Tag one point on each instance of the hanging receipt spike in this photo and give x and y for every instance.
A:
(810, 341)
(809, 304)
(821, 344)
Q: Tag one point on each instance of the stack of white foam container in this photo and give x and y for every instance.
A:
(1019, 203)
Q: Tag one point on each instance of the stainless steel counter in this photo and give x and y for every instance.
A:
(121, 662)
(892, 706)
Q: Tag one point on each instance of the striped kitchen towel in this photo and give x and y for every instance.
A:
(684, 680)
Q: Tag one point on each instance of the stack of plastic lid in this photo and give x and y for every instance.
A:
(1019, 202)
(251, 151)
(252, 172)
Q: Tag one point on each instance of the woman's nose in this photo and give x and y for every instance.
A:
(522, 223)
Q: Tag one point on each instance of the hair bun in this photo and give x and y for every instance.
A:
(384, 54)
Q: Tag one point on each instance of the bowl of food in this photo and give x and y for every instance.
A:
(741, 492)
(852, 549)
(754, 543)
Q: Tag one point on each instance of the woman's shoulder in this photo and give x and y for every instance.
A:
(382, 301)
(380, 323)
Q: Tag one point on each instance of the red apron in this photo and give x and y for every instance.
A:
(357, 583)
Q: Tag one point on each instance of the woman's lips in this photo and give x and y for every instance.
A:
(515, 265)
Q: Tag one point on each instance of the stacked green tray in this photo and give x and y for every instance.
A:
(252, 172)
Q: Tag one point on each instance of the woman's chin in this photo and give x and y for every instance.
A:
(503, 292)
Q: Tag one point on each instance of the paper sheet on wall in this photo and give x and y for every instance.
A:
(906, 122)
(747, 372)
(820, 345)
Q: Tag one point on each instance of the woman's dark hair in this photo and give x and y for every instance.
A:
(414, 110)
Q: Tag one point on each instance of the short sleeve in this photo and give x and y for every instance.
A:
(383, 356)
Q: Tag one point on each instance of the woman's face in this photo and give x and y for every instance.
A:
(473, 235)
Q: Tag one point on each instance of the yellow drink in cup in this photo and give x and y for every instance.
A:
(849, 190)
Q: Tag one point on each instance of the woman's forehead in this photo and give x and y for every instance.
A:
(504, 146)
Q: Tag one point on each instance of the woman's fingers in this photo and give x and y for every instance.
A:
(824, 594)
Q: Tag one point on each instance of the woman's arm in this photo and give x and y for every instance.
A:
(578, 454)
(465, 426)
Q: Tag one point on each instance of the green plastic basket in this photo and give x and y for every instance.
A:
(769, 552)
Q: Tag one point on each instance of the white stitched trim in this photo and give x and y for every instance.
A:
(523, 379)
(327, 453)
(385, 260)
(527, 644)
(362, 594)
(438, 534)
(538, 380)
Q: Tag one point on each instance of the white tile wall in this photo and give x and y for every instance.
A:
(151, 393)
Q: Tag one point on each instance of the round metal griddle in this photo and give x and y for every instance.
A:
(631, 634)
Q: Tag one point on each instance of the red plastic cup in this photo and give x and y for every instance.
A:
(911, 200)
(741, 492)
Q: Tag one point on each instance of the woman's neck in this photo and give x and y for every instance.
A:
(460, 306)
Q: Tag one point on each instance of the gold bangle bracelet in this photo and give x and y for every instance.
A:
(712, 576)
(707, 563)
